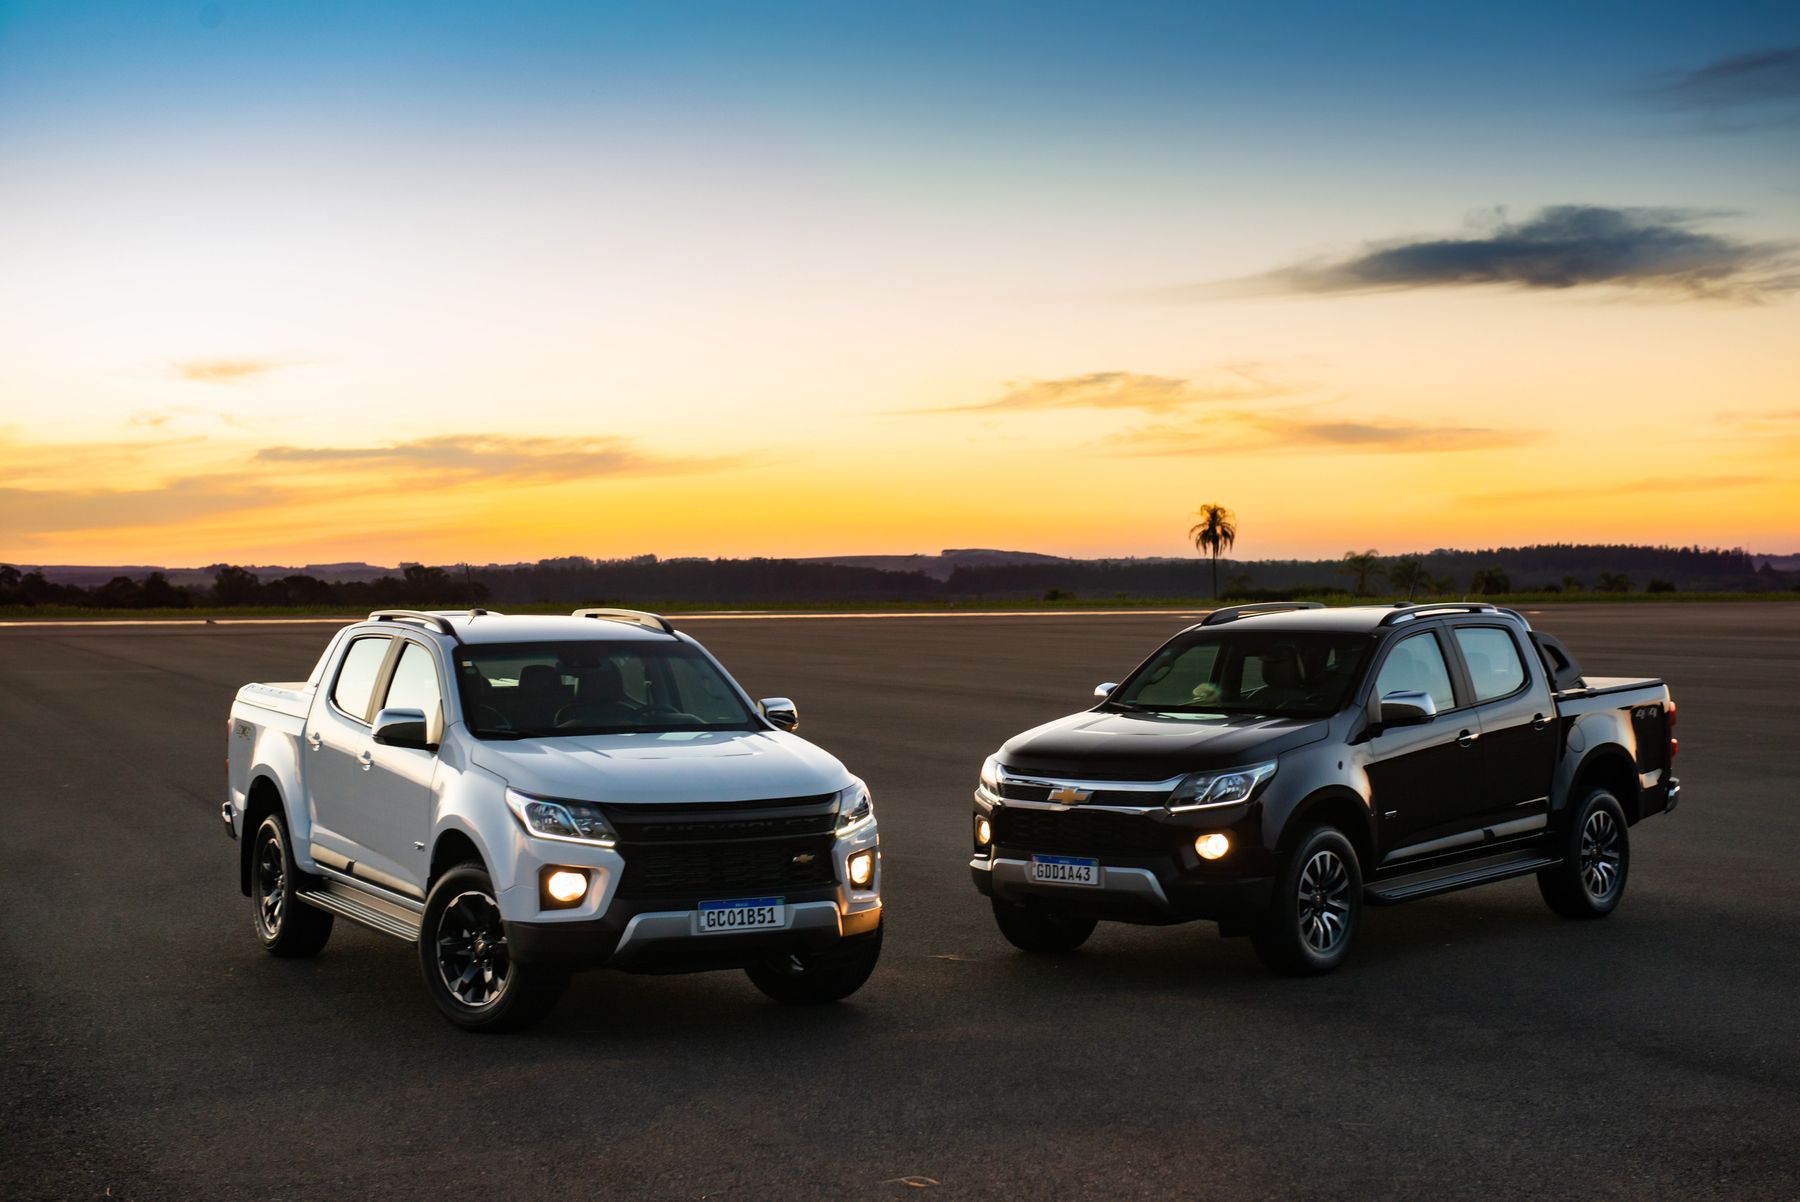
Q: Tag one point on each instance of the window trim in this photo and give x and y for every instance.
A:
(1512, 637)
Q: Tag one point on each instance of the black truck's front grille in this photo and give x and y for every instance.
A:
(1014, 790)
(1077, 832)
(701, 851)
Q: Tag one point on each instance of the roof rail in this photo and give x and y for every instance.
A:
(1407, 613)
(437, 622)
(1234, 612)
(635, 616)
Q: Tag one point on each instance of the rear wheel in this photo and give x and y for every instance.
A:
(1317, 902)
(816, 978)
(468, 965)
(1590, 881)
(1036, 926)
(287, 926)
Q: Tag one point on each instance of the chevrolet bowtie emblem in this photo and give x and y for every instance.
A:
(805, 857)
(1068, 795)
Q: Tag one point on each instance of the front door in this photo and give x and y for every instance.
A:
(1425, 780)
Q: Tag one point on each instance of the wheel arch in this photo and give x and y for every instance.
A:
(262, 799)
(1608, 767)
(1336, 807)
(453, 846)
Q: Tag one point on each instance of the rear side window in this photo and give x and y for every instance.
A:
(1495, 668)
(1416, 665)
(356, 679)
(415, 683)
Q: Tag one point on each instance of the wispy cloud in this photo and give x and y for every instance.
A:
(461, 457)
(1238, 432)
(1646, 485)
(226, 371)
(38, 511)
(1129, 390)
(1651, 250)
(1744, 91)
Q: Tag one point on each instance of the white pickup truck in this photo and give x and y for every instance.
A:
(526, 796)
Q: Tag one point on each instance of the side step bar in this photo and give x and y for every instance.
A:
(373, 912)
(1457, 876)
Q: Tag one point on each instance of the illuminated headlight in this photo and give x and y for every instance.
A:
(862, 869)
(1212, 846)
(990, 775)
(1220, 788)
(554, 818)
(855, 809)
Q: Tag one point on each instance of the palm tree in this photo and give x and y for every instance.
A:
(1409, 573)
(1362, 565)
(1214, 534)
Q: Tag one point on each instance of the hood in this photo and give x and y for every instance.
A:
(681, 766)
(1102, 745)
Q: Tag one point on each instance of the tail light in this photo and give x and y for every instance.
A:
(1674, 743)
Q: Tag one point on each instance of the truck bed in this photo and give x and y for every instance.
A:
(290, 698)
(1601, 686)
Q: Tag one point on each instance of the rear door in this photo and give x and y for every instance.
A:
(1519, 734)
(1425, 780)
(338, 755)
(391, 818)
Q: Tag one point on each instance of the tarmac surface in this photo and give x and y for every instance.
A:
(1475, 1046)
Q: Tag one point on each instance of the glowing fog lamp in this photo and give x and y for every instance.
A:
(566, 885)
(862, 869)
(984, 832)
(1213, 845)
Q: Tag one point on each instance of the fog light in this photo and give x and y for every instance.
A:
(984, 832)
(1212, 846)
(566, 886)
(862, 869)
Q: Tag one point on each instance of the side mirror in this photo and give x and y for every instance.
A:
(1105, 690)
(1407, 707)
(402, 728)
(780, 712)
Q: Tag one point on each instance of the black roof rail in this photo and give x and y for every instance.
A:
(1233, 612)
(437, 622)
(1407, 613)
(636, 617)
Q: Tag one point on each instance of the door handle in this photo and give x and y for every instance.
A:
(314, 740)
(367, 760)
(1538, 721)
(1467, 738)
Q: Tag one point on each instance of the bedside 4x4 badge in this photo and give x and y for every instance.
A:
(1064, 870)
(744, 914)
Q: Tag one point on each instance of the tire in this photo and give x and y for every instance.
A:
(468, 969)
(819, 978)
(1046, 929)
(1596, 858)
(1317, 905)
(288, 927)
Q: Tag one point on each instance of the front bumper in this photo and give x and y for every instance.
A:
(1138, 893)
(656, 935)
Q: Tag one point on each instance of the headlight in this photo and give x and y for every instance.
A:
(1219, 788)
(990, 775)
(569, 821)
(855, 809)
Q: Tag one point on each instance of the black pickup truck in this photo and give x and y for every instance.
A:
(1276, 766)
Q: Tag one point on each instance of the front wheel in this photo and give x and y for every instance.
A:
(287, 927)
(468, 965)
(1036, 926)
(818, 978)
(1318, 900)
(1590, 881)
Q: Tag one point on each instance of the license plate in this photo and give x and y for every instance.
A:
(745, 914)
(1065, 870)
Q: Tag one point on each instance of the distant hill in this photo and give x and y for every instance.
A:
(941, 565)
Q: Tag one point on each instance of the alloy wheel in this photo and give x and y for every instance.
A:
(271, 884)
(472, 957)
(1601, 855)
(1324, 902)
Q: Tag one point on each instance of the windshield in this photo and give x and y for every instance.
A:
(1302, 675)
(588, 687)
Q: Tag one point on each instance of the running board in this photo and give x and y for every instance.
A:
(1457, 876)
(359, 907)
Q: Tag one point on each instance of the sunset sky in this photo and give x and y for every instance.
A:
(289, 282)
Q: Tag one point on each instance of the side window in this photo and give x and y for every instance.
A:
(415, 683)
(1416, 664)
(356, 679)
(1495, 668)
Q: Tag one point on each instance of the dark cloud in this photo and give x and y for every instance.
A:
(453, 457)
(1564, 246)
(225, 371)
(1759, 88)
(1241, 432)
(1128, 390)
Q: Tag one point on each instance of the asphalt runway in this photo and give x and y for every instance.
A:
(1475, 1046)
